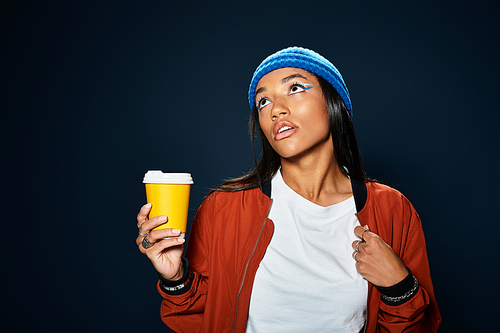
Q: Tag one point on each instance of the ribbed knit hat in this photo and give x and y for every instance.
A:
(298, 57)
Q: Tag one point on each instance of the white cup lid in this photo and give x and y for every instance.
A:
(158, 177)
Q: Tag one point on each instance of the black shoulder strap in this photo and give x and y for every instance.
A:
(266, 188)
(359, 192)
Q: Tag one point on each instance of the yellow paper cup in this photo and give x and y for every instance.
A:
(168, 194)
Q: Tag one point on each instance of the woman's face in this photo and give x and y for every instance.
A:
(292, 112)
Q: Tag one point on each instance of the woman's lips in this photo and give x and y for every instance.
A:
(284, 129)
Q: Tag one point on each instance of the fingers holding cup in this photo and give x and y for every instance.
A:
(142, 216)
(146, 228)
(154, 236)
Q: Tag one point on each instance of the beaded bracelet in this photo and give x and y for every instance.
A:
(408, 294)
(180, 286)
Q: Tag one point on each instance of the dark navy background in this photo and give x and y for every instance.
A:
(93, 94)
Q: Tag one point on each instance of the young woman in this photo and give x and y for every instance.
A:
(303, 242)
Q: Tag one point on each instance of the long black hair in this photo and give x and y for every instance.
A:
(345, 145)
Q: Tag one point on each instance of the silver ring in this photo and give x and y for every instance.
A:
(357, 245)
(141, 233)
(146, 244)
(364, 234)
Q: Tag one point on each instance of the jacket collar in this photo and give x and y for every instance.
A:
(358, 190)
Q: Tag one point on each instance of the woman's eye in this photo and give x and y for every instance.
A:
(299, 87)
(262, 102)
(296, 88)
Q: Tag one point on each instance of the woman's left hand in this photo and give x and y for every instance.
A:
(375, 259)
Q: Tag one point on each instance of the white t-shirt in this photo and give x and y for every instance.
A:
(307, 280)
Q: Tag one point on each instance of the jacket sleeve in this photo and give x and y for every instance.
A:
(420, 313)
(183, 310)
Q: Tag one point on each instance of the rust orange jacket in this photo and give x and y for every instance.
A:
(231, 232)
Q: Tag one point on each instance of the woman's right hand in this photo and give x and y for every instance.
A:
(166, 247)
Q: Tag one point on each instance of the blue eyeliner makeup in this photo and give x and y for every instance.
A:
(300, 85)
(305, 86)
(258, 103)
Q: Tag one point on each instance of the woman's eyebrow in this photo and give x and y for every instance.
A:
(290, 77)
(260, 90)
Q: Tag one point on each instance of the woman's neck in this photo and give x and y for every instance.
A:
(319, 179)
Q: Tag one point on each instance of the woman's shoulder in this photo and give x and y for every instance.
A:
(378, 187)
(389, 204)
(240, 207)
(381, 192)
(218, 194)
(218, 199)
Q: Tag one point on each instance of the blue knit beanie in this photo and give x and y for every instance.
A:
(298, 57)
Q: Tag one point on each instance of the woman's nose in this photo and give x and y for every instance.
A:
(279, 108)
